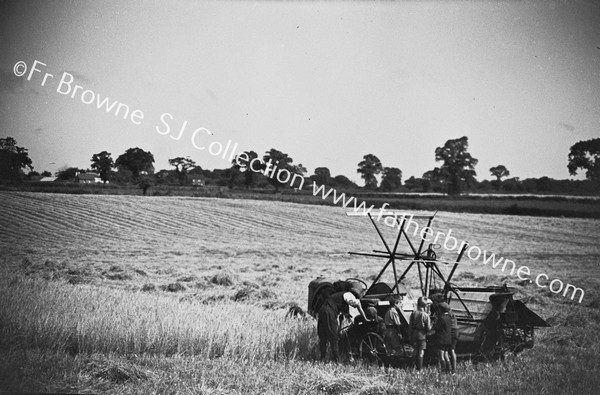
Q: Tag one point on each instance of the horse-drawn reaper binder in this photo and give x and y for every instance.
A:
(491, 323)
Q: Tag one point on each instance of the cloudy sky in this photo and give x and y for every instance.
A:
(325, 82)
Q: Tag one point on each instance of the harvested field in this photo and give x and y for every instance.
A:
(110, 293)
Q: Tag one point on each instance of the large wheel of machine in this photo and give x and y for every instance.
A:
(372, 349)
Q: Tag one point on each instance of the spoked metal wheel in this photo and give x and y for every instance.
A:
(372, 349)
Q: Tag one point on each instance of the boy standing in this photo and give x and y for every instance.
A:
(420, 325)
(392, 325)
(443, 335)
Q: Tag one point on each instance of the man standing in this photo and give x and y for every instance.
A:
(420, 325)
(327, 326)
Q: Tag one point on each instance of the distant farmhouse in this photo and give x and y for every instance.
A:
(197, 181)
(42, 178)
(48, 179)
(88, 178)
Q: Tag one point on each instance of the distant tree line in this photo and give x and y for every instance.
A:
(455, 175)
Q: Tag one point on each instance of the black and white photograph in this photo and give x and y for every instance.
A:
(300, 197)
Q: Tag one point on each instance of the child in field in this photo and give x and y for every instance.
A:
(419, 327)
(443, 335)
(393, 336)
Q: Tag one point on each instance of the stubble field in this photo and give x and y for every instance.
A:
(136, 294)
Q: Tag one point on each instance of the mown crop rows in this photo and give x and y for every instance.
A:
(113, 277)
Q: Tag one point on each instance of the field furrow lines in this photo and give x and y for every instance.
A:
(179, 226)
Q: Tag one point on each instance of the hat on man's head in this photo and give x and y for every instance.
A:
(444, 307)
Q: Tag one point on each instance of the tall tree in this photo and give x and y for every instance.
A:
(458, 166)
(585, 155)
(322, 176)
(392, 179)
(182, 165)
(278, 165)
(499, 172)
(368, 168)
(13, 159)
(137, 161)
(103, 164)
(242, 163)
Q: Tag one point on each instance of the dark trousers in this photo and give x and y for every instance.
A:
(327, 329)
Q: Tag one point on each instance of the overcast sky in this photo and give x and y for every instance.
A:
(325, 82)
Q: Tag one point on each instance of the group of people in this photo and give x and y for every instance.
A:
(440, 328)
(431, 322)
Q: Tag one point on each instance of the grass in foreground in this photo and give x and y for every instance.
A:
(58, 337)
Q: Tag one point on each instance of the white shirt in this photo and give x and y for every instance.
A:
(350, 299)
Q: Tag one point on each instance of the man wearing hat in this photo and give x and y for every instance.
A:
(420, 325)
(327, 326)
